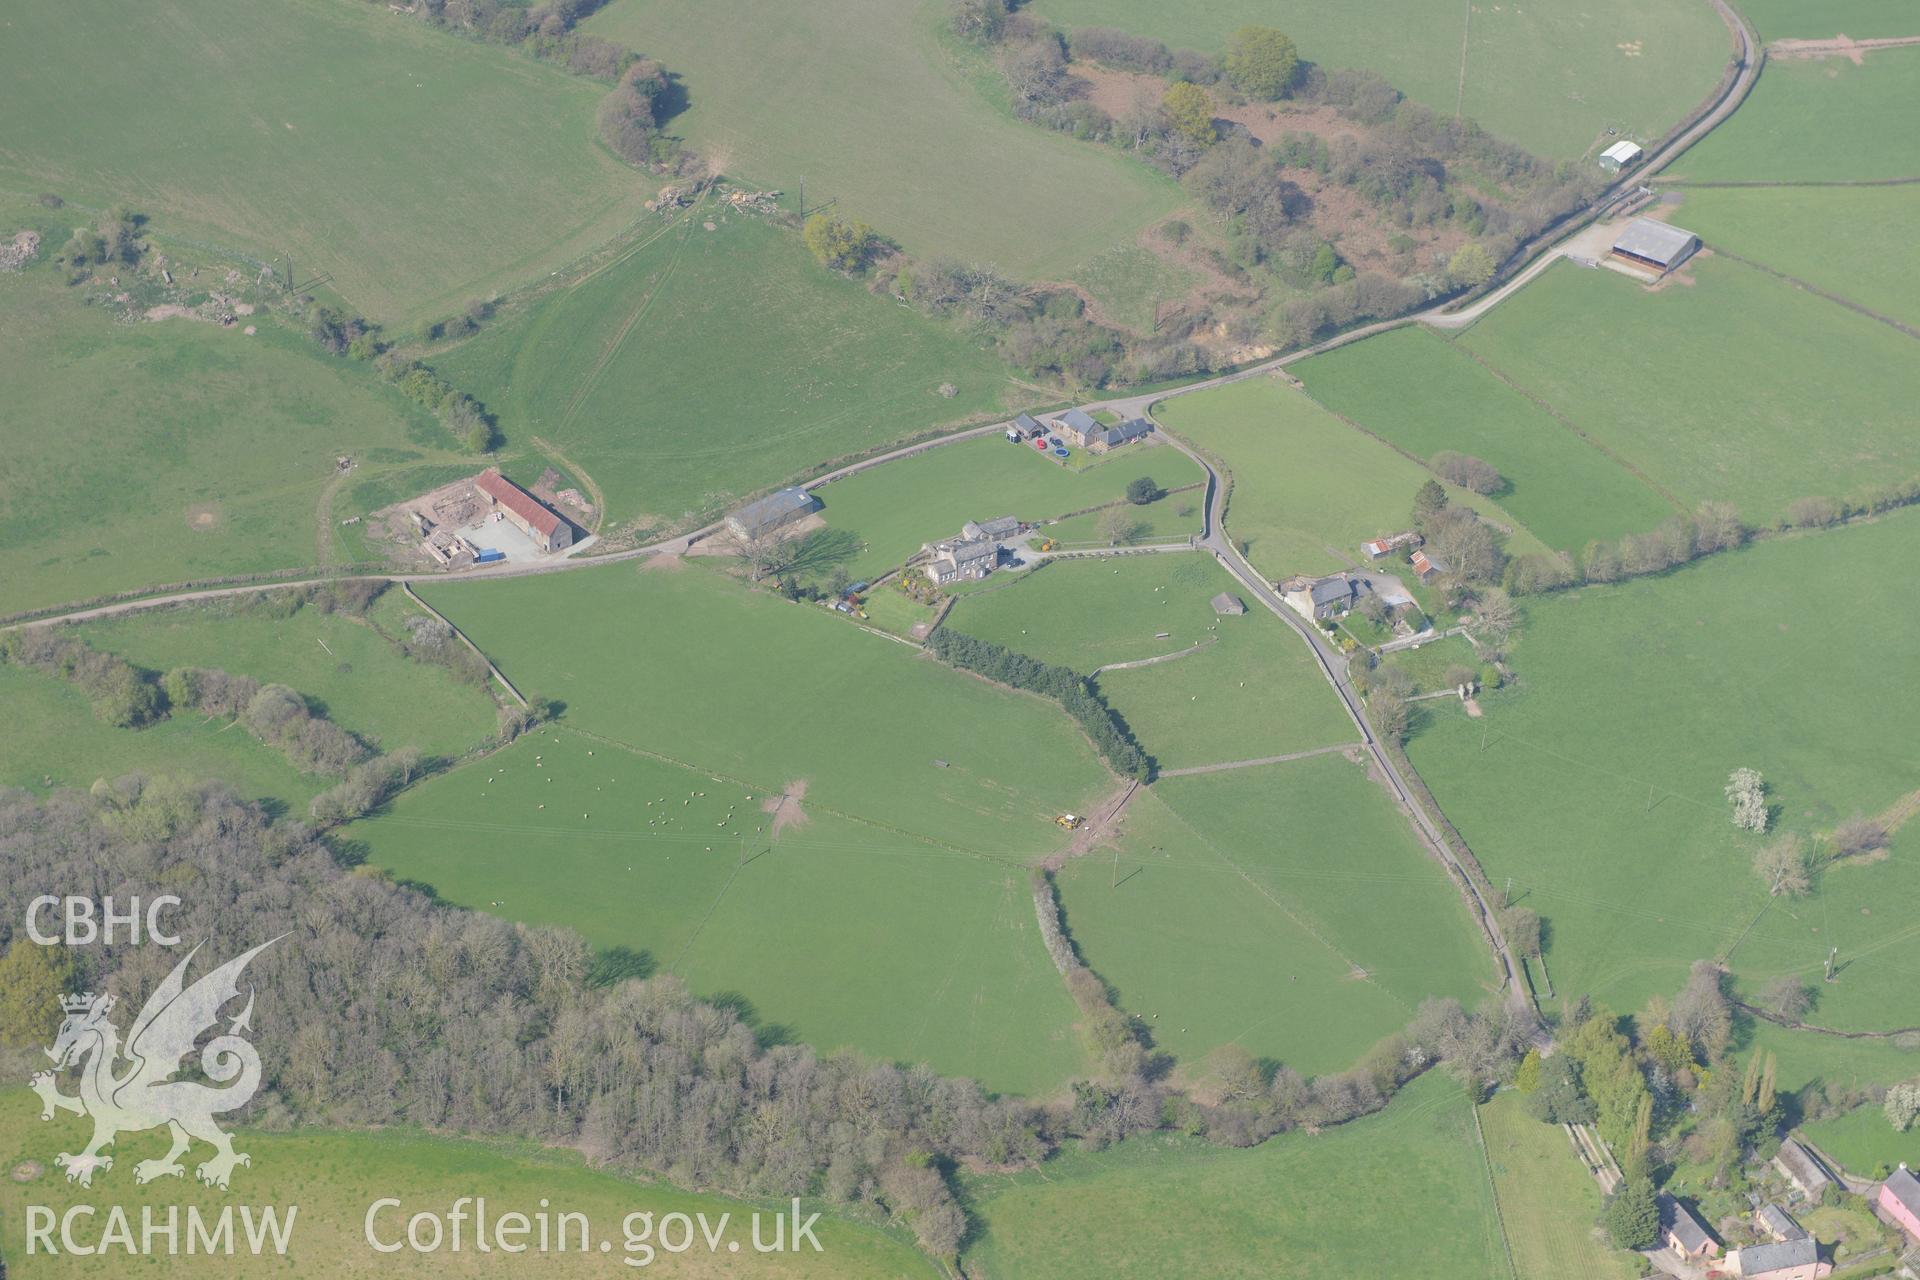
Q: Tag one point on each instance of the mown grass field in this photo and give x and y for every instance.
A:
(1597, 782)
(1864, 1142)
(701, 366)
(1254, 690)
(835, 932)
(1297, 1206)
(334, 1177)
(339, 663)
(1286, 908)
(1414, 388)
(1548, 1204)
(895, 508)
(1745, 388)
(861, 100)
(1785, 228)
(416, 169)
(169, 451)
(1307, 488)
(1551, 76)
(1861, 19)
(1820, 120)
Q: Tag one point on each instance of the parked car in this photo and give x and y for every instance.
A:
(1054, 442)
(1041, 445)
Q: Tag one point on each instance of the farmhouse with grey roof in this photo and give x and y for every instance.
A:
(962, 558)
(996, 528)
(775, 511)
(1684, 1233)
(1784, 1260)
(1078, 426)
(1797, 1165)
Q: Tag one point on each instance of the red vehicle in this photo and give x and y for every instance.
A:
(1040, 444)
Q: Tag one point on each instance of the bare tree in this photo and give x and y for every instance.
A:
(1117, 525)
(1787, 997)
(1782, 863)
(1857, 835)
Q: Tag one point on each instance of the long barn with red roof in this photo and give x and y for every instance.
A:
(548, 531)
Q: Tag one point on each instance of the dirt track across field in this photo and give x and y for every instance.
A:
(1854, 51)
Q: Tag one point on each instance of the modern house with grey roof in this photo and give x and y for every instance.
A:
(775, 511)
(1683, 1231)
(1647, 245)
(1078, 426)
(1104, 438)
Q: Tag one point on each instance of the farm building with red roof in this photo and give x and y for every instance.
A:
(548, 531)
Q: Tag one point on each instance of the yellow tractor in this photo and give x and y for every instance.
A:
(1070, 821)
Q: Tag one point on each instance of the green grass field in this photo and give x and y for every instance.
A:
(1871, 264)
(1307, 488)
(700, 366)
(1550, 76)
(338, 662)
(1128, 283)
(1744, 388)
(1824, 120)
(416, 169)
(895, 508)
(163, 452)
(1287, 909)
(1253, 691)
(1548, 1204)
(1861, 19)
(834, 931)
(1300, 1205)
(334, 1178)
(1414, 388)
(1634, 704)
(1864, 1142)
(859, 100)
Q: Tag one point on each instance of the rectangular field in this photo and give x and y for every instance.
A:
(859, 102)
(1864, 1142)
(1307, 488)
(1820, 120)
(415, 169)
(1548, 1203)
(1417, 390)
(1861, 19)
(698, 367)
(1743, 388)
(1286, 1208)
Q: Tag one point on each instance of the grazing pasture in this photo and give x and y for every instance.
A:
(1596, 782)
(895, 508)
(833, 931)
(335, 1176)
(691, 665)
(1861, 19)
(1744, 388)
(413, 169)
(1820, 120)
(1551, 77)
(1286, 908)
(1414, 389)
(1251, 690)
(1307, 488)
(698, 367)
(167, 451)
(1787, 229)
(859, 100)
(1864, 1142)
(1294, 1206)
(1548, 1204)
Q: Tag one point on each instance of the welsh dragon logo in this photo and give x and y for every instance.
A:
(143, 1094)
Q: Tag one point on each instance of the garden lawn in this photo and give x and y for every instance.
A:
(334, 1177)
(1253, 690)
(896, 508)
(834, 932)
(1429, 664)
(694, 666)
(1307, 488)
(1596, 783)
(1869, 262)
(1548, 1203)
(1823, 120)
(1416, 390)
(340, 664)
(1293, 1206)
(157, 453)
(1552, 76)
(1863, 1141)
(1214, 930)
(1744, 388)
(859, 102)
(698, 367)
(409, 168)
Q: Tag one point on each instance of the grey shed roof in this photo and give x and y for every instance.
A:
(1079, 420)
(1759, 1259)
(1798, 1163)
(1026, 422)
(1227, 602)
(774, 509)
(1905, 1188)
(1780, 1222)
(1678, 1221)
(998, 527)
(1655, 241)
(1131, 429)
